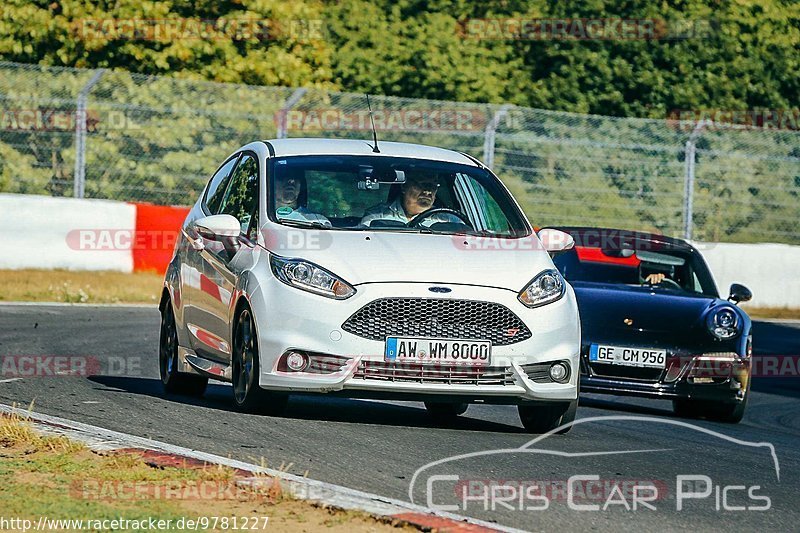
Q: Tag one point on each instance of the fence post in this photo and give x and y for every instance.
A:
(283, 127)
(79, 180)
(489, 135)
(688, 180)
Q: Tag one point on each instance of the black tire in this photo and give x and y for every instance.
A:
(443, 411)
(686, 408)
(248, 396)
(728, 412)
(175, 382)
(544, 417)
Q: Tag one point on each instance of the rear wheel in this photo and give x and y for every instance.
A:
(445, 411)
(544, 417)
(175, 382)
(248, 396)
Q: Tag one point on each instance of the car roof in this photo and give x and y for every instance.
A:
(585, 234)
(313, 146)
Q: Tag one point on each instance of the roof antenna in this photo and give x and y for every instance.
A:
(374, 134)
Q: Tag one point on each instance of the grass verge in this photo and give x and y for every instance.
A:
(55, 477)
(79, 286)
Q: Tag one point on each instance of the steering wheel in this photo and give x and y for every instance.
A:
(670, 283)
(417, 220)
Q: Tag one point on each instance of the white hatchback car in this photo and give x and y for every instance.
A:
(399, 272)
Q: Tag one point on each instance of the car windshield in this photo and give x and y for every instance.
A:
(674, 270)
(391, 194)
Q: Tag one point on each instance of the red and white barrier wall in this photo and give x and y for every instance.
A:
(47, 233)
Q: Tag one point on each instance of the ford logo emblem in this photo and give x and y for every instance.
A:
(440, 290)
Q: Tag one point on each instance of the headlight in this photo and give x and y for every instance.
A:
(723, 323)
(545, 288)
(310, 277)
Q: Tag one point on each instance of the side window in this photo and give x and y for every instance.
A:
(241, 197)
(217, 186)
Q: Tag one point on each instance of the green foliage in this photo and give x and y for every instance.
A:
(158, 138)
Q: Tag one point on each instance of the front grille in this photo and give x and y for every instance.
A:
(437, 318)
(436, 373)
(538, 372)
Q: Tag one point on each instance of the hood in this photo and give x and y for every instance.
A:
(658, 316)
(374, 257)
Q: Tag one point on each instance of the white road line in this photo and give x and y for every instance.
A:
(300, 487)
(10, 380)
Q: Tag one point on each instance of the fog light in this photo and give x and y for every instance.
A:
(296, 362)
(559, 372)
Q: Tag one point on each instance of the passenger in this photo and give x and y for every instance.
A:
(291, 196)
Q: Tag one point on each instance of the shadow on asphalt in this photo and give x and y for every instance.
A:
(310, 407)
(622, 405)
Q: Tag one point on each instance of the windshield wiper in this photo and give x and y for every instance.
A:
(304, 223)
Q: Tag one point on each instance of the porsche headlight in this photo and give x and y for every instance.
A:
(545, 288)
(723, 323)
(310, 277)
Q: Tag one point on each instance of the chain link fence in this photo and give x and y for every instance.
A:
(123, 136)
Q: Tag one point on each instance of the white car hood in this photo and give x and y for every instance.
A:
(373, 257)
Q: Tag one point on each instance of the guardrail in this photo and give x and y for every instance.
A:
(117, 135)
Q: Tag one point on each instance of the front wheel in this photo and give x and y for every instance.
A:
(544, 417)
(732, 413)
(175, 382)
(248, 396)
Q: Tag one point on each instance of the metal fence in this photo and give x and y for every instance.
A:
(122, 136)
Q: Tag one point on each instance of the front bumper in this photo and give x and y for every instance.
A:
(719, 378)
(313, 324)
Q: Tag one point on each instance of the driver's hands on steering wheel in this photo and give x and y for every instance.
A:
(655, 279)
(458, 215)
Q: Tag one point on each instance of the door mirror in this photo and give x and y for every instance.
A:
(739, 293)
(556, 241)
(218, 227)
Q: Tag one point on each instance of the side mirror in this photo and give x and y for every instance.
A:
(739, 293)
(218, 227)
(556, 241)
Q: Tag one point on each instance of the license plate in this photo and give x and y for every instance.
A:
(422, 350)
(627, 356)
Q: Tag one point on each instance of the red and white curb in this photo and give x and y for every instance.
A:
(319, 492)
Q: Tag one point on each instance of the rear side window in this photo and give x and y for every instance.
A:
(217, 186)
(241, 197)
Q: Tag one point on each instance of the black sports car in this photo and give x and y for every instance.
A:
(653, 323)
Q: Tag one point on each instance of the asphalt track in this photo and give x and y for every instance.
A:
(378, 446)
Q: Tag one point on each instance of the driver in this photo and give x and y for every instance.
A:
(417, 195)
(289, 187)
(656, 277)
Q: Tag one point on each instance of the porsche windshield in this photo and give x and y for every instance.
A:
(671, 270)
(391, 194)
